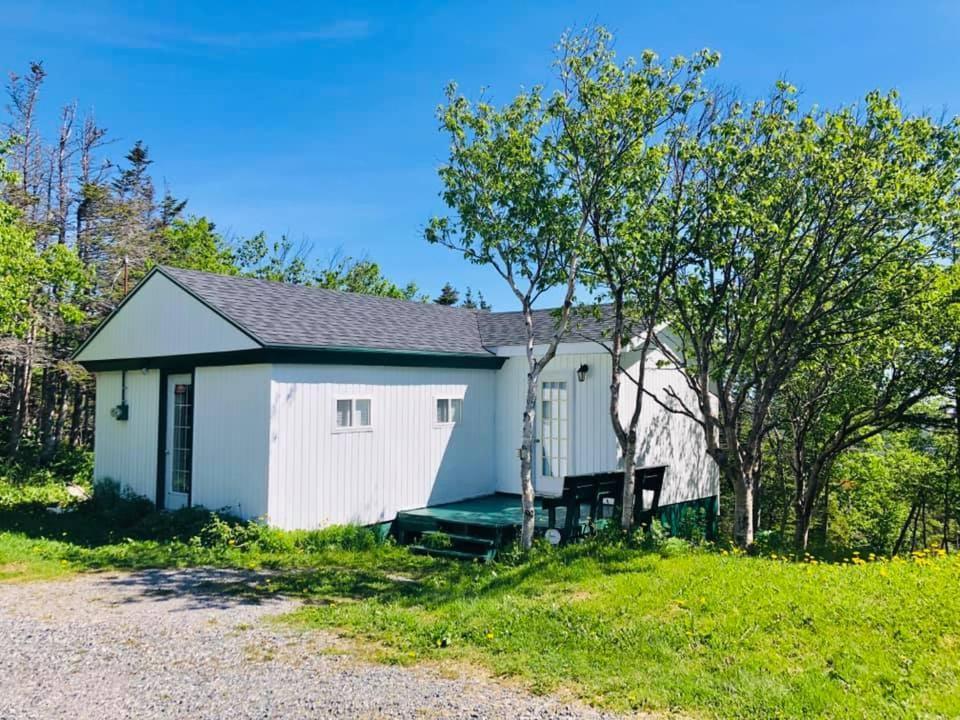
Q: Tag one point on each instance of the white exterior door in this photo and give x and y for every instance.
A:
(553, 435)
(178, 460)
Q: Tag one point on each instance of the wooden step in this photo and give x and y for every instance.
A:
(451, 553)
(473, 539)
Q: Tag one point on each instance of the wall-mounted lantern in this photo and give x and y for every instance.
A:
(582, 372)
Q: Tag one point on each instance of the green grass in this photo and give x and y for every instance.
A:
(724, 636)
(700, 633)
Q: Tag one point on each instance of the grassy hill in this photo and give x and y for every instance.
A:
(701, 632)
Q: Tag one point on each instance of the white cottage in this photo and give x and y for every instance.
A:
(310, 407)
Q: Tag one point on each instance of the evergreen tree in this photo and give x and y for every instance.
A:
(449, 295)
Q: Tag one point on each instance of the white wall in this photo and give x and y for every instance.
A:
(665, 438)
(319, 476)
(593, 445)
(126, 451)
(671, 439)
(159, 319)
(231, 438)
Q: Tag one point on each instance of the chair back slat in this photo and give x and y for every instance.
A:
(591, 490)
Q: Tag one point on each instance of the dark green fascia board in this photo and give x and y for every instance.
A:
(158, 269)
(309, 356)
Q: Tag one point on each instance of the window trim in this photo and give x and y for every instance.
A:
(354, 415)
(449, 398)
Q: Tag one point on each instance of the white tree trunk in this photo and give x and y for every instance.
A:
(629, 482)
(743, 510)
(526, 463)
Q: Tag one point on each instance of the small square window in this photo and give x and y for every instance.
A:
(362, 408)
(354, 413)
(449, 411)
(345, 413)
(443, 410)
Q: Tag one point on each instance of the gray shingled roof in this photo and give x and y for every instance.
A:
(507, 328)
(279, 314)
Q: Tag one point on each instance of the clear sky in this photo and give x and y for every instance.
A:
(317, 119)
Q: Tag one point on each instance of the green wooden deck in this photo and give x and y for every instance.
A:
(497, 511)
(473, 528)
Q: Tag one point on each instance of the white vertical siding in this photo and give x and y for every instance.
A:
(319, 476)
(231, 431)
(161, 319)
(665, 438)
(593, 445)
(671, 439)
(126, 451)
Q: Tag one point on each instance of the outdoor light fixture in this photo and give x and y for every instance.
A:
(582, 372)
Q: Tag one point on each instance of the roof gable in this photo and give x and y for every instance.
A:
(283, 315)
(159, 318)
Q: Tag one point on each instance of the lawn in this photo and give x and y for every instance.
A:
(695, 631)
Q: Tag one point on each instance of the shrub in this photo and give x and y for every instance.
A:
(346, 537)
(653, 537)
(116, 506)
(674, 546)
(767, 541)
(182, 524)
(223, 531)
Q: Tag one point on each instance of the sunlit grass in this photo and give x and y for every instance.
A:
(703, 632)
(724, 636)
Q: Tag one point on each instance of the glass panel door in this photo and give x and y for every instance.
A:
(554, 435)
(179, 450)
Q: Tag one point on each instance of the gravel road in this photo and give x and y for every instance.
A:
(172, 644)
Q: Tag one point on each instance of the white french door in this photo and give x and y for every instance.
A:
(178, 460)
(553, 435)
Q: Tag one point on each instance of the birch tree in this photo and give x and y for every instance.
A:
(525, 181)
(625, 127)
(513, 212)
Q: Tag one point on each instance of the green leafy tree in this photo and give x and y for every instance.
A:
(523, 182)
(850, 393)
(807, 231)
(362, 276)
(279, 261)
(39, 293)
(195, 244)
(624, 127)
(512, 210)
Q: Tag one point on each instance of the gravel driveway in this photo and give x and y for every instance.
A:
(171, 644)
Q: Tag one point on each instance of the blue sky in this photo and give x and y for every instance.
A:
(317, 119)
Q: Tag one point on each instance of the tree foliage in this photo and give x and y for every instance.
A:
(809, 232)
(77, 231)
